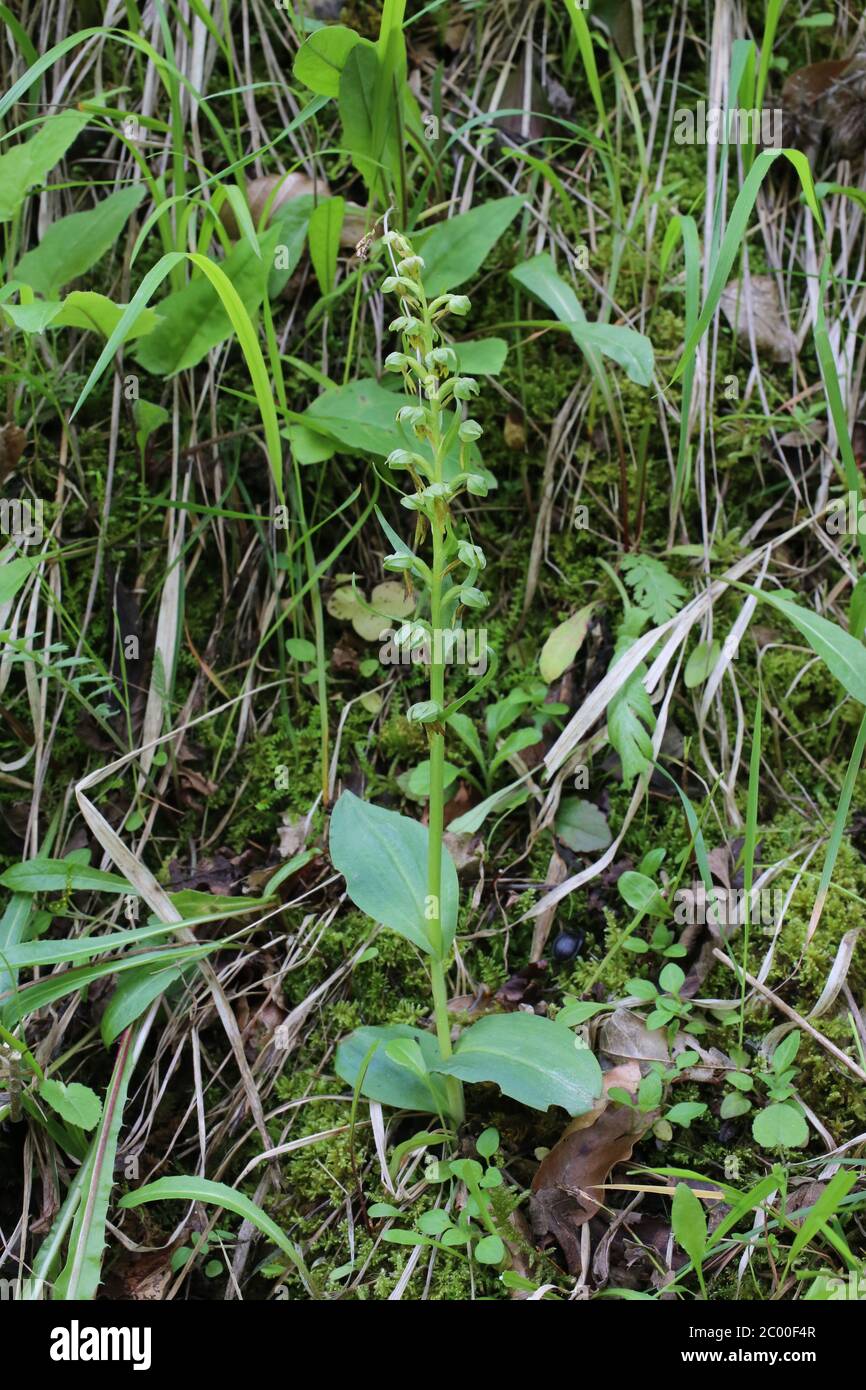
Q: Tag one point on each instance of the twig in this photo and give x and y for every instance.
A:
(792, 1014)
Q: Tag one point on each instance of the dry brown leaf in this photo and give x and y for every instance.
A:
(758, 301)
(625, 1037)
(566, 1189)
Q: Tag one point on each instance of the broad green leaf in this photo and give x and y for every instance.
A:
(80, 309)
(780, 1127)
(787, 1050)
(563, 644)
(215, 1194)
(385, 1080)
(689, 1224)
(74, 244)
(149, 417)
(383, 857)
(62, 876)
(633, 351)
(844, 656)
(76, 1104)
(369, 126)
(321, 58)
(136, 991)
(482, 356)
(641, 894)
(194, 320)
(487, 1142)
(291, 221)
(326, 223)
(22, 166)
(455, 249)
(360, 419)
(672, 978)
(701, 663)
(685, 1112)
(12, 575)
(532, 1059)
(515, 743)
(582, 826)
(417, 782)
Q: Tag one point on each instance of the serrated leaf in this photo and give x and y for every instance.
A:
(656, 591)
(76, 1104)
(531, 1059)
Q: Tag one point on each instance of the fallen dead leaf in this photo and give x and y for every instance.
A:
(758, 301)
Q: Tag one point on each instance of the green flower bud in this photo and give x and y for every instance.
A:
(469, 431)
(465, 387)
(472, 598)
(471, 555)
(401, 458)
(398, 564)
(443, 357)
(425, 712)
(397, 362)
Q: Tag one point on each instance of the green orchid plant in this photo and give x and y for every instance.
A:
(397, 870)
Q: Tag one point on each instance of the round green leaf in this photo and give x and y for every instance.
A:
(780, 1127)
(582, 826)
(490, 1251)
